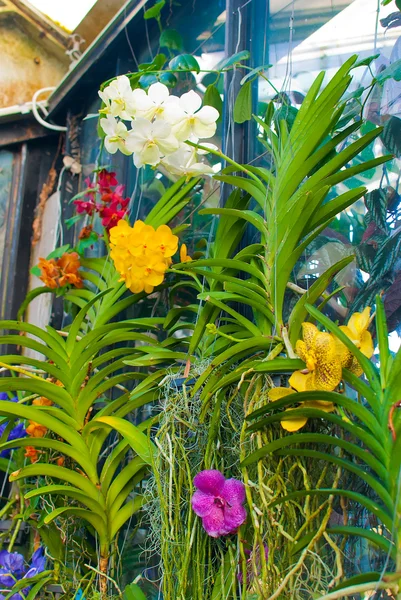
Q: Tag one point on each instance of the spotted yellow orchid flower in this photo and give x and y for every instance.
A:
(323, 364)
(292, 424)
(357, 331)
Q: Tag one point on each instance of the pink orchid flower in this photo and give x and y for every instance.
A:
(218, 501)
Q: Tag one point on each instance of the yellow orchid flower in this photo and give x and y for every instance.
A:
(357, 331)
(141, 254)
(184, 257)
(323, 364)
(164, 241)
(295, 423)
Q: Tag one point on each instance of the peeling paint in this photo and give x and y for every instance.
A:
(29, 61)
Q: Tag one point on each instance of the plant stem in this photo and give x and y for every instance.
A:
(14, 535)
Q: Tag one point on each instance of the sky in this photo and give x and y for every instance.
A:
(68, 14)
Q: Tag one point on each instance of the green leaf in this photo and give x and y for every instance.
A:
(382, 336)
(145, 81)
(156, 64)
(248, 215)
(81, 513)
(76, 324)
(184, 62)
(87, 242)
(243, 104)
(375, 538)
(391, 72)
(170, 81)
(33, 294)
(154, 12)
(138, 441)
(254, 72)
(299, 312)
(213, 98)
(58, 252)
(70, 492)
(72, 220)
(374, 508)
(34, 592)
(36, 271)
(365, 62)
(44, 470)
(133, 592)
(172, 39)
(232, 60)
(315, 438)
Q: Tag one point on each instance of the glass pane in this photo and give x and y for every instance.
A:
(202, 30)
(6, 175)
(305, 38)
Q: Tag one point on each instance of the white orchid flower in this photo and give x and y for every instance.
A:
(119, 98)
(185, 162)
(189, 119)
(116, 134)
(150, 142)
(155, 101)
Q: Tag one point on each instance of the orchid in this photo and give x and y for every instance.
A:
(116, 134)
(106, 180)
(184, 161)
(85, 207)
(357, 331)
(189, 119)
(150, 142)
(119, 98)
(295, 423)
(142, 254)
(164, 241)
(184, 257)
(16, 433)
(112, 214)
(13, 569)
(36, 430)
(219, 502)
(155, 102)
(323, 363)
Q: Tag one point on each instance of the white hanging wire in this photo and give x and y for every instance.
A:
(35, 111)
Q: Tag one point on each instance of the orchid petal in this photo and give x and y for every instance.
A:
(233, 491)
(293, 423)
(210, 481)
(203, 130)
(202, 503)
(213, 522)
(207, 115)
(190, 102)
(158, 93)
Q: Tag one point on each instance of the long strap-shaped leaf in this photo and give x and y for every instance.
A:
(372, 506)
(316, 438)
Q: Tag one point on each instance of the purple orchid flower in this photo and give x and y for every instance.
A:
(13, 568)
(38, 563)
(4, 396)
(16, 432)
(218, 501)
